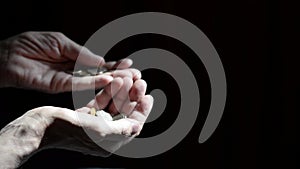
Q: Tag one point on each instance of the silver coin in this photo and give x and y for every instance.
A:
(119, 116)
(88, 72)
(80, 73)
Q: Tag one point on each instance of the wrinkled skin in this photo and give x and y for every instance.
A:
(39, 61)
(54, 127)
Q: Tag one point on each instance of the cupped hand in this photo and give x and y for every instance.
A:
(54, 127)
(98, 136)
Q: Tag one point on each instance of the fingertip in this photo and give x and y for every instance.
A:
(149, 98)
(138, 90)
(141, 83)
(128, 61)
(147, 101)
(108, 77)
(136, 74)
(136, 129)
(126, 127)
(109, 65)
(123, 64)
(104, 79)
(101, 61)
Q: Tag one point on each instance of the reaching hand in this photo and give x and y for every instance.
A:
(39, 60)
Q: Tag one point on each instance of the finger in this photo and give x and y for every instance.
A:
(102, 98)
(142, 109)
(84, 110)
(127, 127)
(128, 107)
(122, 95)
(55, 82)
(138, 90)
(121, 64)
(88, 82)
(74, 51)
(132, 73)
(112, 109)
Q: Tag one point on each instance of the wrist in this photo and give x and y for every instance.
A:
(10, 157)
(4, 54)
(19, 140)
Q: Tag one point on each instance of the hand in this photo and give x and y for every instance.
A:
(120, 96)
(40, 60)
(48, 127)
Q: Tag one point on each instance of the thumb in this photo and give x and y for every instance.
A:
(74, 51)
(126, 127)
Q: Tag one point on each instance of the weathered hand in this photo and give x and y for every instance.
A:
(120, 96)
(48, 127)
(39, 60)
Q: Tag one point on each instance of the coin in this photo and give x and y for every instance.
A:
(80, 73)
(105, 115)
(96, 71)
(119, 116)
(89, 72)
(93, 111)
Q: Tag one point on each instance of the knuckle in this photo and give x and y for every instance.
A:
(128, 80)
(136, 74)
(58, 34)
(27, 34)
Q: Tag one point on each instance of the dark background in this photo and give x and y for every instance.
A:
(257, 41)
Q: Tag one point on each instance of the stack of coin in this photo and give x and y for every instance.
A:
(119, 116)
(93, 112)
(89, 72)
(105, 115)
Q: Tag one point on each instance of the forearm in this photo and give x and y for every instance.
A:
(18, 141)
(9, 155)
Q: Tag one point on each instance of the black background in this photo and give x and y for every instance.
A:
(257, 41)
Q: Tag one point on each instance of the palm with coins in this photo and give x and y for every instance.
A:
(42, 61)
